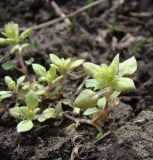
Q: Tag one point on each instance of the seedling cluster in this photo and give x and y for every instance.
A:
(31, 91)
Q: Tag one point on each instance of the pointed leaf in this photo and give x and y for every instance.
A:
(32, 100)
(90, 111)
(39, 69)
(20, 80)
(91, 69)
(77, 63)
(25, 34)
(9, 82)
(91, 83)
(101, 103)
(55, 59)
(128, 67)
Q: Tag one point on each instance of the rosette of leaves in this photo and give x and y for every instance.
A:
(105, 86)
(13, 36)
(64, 65)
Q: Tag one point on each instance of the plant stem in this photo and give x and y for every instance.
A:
(49, 89)
(22, 64)
(85, 121)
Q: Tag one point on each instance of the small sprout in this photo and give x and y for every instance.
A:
(13, 86)
(63, 65)
(26, 113)
(12, 34)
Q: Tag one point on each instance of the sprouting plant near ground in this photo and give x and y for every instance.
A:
(107, 83)
(56, 74)
(13, 37)
(29, 96)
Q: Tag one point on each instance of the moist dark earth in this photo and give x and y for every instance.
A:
(119, 26)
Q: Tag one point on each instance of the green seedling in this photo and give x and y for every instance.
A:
(13, 86)
(26, 113)
(64, 65)
(12, 36)
(29, 112)
(104, 88)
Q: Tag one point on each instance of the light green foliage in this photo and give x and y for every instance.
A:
(27, 113)
(86, 99)
(13, 37)
(112, 75)
(12, 34)
(44, 75)
(108, 82)
(12, 86)
(63, 65)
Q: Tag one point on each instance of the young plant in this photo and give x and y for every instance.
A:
(12, 36)
(13, 87)
(104, 88)
(29, 112)
(26, 113)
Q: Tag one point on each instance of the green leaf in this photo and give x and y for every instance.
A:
(51, 74)
(90, 111)
(15, 48)
(12, 30)
(101, 103)
(91, 69)
(24, 126)
(58, 109)
(128, 67)
(5, 95)
(26, 112)
(25, 34)
(123, 84)
(9, 82)
(23, 46)
(92, 83)
(30, 61)
(66, 102)
(86, 99)
(39, 70)
(55, 59)
(115, 94)
(57, 79)
(48, 113)
(77, 63)
(115, 62)
(32, 100)
(20, 80)
(58, 123)
(3, 41)
(15, 112)
(8, 65)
